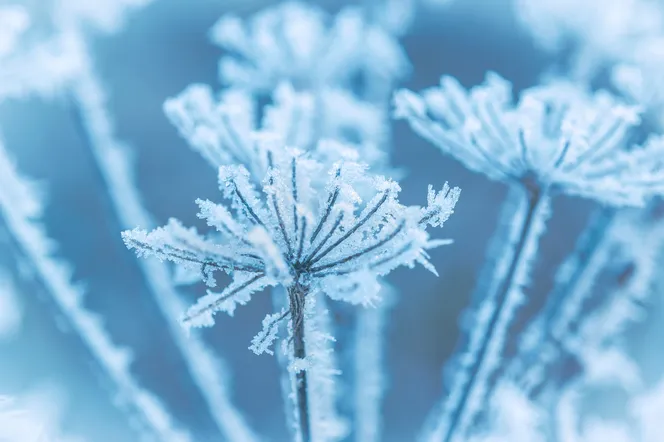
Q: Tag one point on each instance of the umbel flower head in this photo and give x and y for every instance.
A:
(293, 235)
(301, 44)
(556, 137)
(222, 127)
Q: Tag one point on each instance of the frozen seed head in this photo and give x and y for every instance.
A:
(556, 136)
(224, 128)
(301, 44)
(296, 233)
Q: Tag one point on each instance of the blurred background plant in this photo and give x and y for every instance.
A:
(87, 90)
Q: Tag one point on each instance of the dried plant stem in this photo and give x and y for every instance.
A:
(574, 283)
(296, 297)
(505, 302)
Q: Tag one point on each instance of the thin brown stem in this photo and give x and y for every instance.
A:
(296, 297)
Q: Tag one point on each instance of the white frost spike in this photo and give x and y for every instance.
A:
(266, 337)
(21, 209)
(238, 293)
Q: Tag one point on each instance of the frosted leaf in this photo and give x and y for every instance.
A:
(294, 233)
(301, 44)
(556, 136)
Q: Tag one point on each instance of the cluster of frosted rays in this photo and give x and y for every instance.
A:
(369, 364)
(223, 129)
(301, 44)
(276, 238)
(597, 39)
(556, 135)
(22, 209)
(206, 368)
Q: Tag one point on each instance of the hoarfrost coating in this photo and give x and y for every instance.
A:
(289, 234)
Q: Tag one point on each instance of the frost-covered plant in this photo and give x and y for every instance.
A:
(556, 138)
(301, 238)
(221, 128)
(303, 45)
(597, 39)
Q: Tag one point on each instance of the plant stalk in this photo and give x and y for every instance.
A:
(505, 305)
(296, 297)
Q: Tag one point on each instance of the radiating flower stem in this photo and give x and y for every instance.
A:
(296, 295)
(505, 302)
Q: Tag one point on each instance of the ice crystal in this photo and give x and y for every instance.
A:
(291, 235)
(301, 44)
(556, 137)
